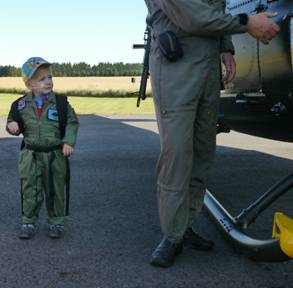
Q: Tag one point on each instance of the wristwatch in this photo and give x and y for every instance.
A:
(243, 19)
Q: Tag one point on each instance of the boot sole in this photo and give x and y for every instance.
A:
(158, 262)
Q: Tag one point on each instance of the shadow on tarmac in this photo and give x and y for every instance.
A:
(113, 224)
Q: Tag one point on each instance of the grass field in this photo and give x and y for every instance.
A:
(92, 105)
(81, 85)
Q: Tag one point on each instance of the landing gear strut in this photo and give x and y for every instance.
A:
(276, 249)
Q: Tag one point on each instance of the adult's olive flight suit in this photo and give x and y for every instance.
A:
(42, 166)
(186, 94)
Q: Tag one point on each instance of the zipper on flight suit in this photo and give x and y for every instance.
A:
(35, 109)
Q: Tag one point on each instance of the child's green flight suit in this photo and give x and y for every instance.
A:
(42, 166)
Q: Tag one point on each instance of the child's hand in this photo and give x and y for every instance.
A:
(13, 127)
(67, 150)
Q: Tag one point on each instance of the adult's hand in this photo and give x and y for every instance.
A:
(261, 27)
(230, 67)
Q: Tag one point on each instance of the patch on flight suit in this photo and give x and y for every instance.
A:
(20, 104)
(53, 115)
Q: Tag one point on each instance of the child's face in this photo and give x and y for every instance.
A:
(42, 82)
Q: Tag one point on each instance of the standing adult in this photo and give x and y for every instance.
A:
(188, 37)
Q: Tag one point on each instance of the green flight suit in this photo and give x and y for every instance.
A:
(43, 174)
(186, 95)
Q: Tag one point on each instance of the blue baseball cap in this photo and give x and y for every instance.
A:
(31, 65)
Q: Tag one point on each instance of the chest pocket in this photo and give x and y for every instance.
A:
(53, 115)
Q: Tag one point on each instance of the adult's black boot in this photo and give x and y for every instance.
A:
(165, 253)
(195, 241)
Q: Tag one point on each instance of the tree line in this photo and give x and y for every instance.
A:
(82, 69)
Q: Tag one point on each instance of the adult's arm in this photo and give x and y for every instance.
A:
(199, 18)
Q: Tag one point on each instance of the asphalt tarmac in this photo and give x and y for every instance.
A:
(113, 224)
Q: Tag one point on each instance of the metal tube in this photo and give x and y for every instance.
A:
(249, 214)
(260, 250)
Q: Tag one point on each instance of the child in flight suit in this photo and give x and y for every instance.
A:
(43, 163)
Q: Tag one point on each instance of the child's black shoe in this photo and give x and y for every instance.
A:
(56, 231)
(27, 231)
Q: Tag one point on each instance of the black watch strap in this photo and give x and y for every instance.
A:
(243, 18)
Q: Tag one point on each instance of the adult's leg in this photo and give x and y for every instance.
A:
(174, 170)
(176, 102)
(177, 90)
(204, 142)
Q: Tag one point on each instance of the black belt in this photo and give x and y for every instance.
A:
(43, 149)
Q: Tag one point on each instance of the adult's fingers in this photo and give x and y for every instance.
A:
(271, 14)
(264, 41)
(229, 75)
(230, 67)
(267, 37)
(276, 27)
(232, 74)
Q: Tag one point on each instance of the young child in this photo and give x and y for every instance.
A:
(49, 126)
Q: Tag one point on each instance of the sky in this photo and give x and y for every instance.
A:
(90, 31)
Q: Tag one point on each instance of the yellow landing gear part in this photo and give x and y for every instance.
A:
(283, 229)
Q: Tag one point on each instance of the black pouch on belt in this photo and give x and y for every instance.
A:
(170, 46)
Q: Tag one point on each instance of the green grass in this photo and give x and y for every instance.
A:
(78, 93)
(90, 105)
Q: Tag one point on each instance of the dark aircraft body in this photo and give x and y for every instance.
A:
(264, 81)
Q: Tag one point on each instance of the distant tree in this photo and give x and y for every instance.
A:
(82, 69)
(9, 71)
